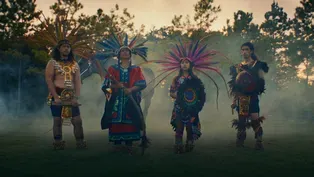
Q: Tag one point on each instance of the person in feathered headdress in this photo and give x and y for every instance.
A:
(123, 85)
(187, 89)
(63, 76)
(246, 84)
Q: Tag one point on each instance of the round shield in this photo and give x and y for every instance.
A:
(189, 95)
(246, 82)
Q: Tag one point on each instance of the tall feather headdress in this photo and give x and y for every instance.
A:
(198, 54)
(52, 34)
(111, 47)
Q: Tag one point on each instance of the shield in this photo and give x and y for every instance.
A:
(191, 95)
(246, 82)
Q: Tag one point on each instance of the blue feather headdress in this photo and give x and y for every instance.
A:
(111, 47)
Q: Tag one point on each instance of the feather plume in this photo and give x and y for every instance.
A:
(197, 54)
(111, 47)
(52, 33)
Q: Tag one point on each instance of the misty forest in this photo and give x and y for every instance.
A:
(286, 44)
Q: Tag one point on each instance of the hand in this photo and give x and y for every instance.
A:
(233, 105)
(127, 91)
(173, 95)
(57, 100)
(120, 85)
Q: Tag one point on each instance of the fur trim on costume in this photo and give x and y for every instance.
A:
(236, 124)
(248, 125)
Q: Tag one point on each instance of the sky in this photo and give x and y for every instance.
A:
(159, 13)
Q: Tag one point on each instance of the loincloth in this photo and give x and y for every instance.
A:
(64, 112)
(248, 105)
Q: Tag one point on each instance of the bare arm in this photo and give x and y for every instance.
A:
(77, 82)
(173, 95)
(49, 76)
(173, 90)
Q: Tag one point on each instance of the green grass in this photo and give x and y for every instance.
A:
(28, 155)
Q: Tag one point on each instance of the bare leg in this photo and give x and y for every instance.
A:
(57, 129)
(189, 138)
(179, 137)
(78, 131)
(57, 133)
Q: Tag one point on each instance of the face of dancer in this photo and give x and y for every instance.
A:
(185, 65)
(125, 54)
(65, 50)
(246, 52)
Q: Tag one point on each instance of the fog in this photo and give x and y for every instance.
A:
(281, 109)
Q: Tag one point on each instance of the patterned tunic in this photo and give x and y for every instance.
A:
(120, 115)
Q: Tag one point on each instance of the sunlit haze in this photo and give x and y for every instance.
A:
(160, 12)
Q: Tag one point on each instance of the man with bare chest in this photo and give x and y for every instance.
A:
(64, 84)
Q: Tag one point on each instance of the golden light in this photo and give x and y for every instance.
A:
(162, 84)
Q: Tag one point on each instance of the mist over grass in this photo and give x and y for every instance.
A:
(27, 145)
(281, 107)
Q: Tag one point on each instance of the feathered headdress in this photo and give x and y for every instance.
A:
(197, 54)
(53, 35)
(111, 47)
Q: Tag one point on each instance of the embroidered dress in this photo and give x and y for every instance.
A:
(120, 116)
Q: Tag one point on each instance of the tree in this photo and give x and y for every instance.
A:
(243, 26)
(204, 16)
(301, 48)
(274, 42)
(88, 29)
(103, 24)
(15, 19)
(204, 13)
(241, 30)
(20, 79)
(97, 26)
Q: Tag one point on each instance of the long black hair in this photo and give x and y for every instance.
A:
(251, 47)
(56, 52)
(190, 70)
(119, 58)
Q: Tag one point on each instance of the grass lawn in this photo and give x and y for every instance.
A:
(30, 155)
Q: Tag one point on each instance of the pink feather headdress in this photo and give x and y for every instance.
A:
(197, 54)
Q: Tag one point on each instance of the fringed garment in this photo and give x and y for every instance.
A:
(246, 85)
(190, 101)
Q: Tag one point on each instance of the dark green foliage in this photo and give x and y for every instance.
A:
(15, 18)
(282, 42)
